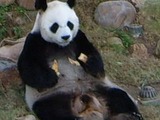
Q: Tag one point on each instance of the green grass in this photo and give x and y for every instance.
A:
(17, 32)
(151, 12)
(6, 26)
(3, 11)
(119, 49)
(12, 104)
(131, 71)
(126, 38)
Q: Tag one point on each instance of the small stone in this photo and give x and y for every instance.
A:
(116, 44)
(19, 21)
(28, 117)
(114, 41)
(115, 14)
(139, 51)
(135, 30)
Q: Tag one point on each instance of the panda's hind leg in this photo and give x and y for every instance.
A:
(55, 107)
(119, 102)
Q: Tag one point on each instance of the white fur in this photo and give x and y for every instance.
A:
(36, 27)
(60, 13)
(108, 83)
(31, 96)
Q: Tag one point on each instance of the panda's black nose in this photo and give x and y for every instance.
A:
(66, 37)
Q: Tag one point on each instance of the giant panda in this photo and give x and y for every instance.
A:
(78, 91)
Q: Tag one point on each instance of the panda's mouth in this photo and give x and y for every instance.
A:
(64, 43)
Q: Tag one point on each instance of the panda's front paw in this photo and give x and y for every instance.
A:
(51, 78)
(94, 67)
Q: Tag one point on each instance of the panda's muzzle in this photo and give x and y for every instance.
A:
(65, 37)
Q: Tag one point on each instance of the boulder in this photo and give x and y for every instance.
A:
(6, 2)
(12, 52)
(27, 4)
(115, 14)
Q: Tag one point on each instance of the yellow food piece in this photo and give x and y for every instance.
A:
(74, 62)
(55, 67)
(83, 58)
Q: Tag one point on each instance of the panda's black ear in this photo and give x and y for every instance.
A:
(41, 5)
(71, 3)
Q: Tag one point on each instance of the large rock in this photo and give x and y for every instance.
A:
(115, 14)
(12, 52)
(6, 2)
(27, 4)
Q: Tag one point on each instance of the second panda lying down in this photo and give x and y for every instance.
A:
(68, 91)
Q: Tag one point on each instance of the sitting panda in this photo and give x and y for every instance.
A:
(59, 84)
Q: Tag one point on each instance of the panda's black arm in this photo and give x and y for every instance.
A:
(94, 64)
(32, 64)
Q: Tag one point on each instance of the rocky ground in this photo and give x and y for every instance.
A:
(128, 66)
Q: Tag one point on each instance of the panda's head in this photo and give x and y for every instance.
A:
(56, 21)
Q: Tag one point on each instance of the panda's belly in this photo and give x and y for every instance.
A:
(70, 70)
(65, 85)
(72, 77)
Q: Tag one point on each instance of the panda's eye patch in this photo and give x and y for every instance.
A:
(54, 27)
(70, 25)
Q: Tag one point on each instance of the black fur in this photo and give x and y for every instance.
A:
(71, 3)
(34, 69)
(41, 4)
(118, 101)
(57, 107)
(94, 64)
(33, 66)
